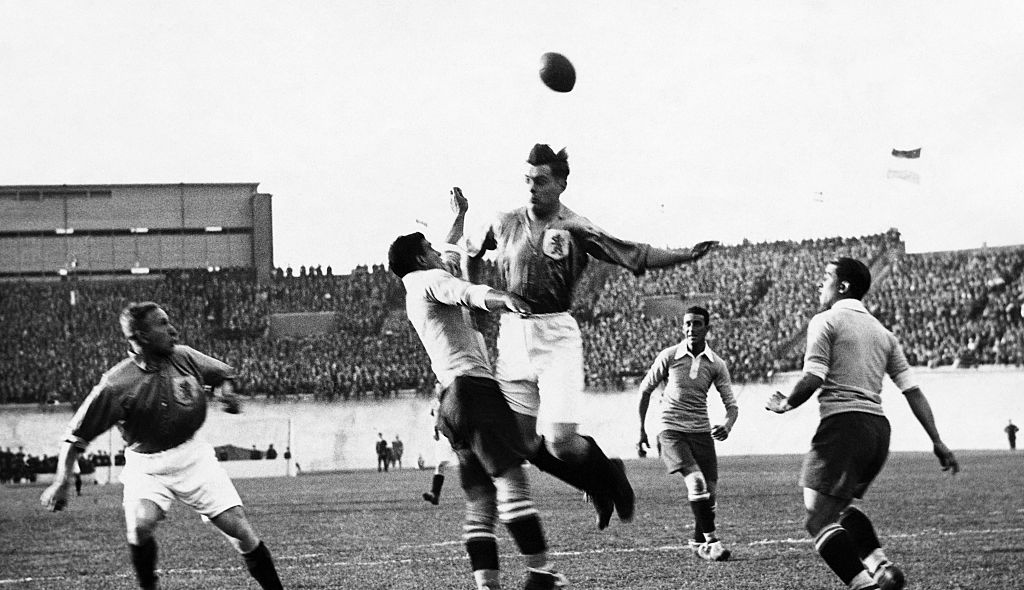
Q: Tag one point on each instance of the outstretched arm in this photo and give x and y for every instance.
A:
(923, 412)
(802, 391)
(660, 258)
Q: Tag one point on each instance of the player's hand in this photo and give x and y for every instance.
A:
(778, 403)
(516, 304)
(946, 458)
(719, 432)
(459, 203)
(55, 497)
(702, 248)
(641, 451)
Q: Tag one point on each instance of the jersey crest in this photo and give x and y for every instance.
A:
(556, 243)
(186, 390)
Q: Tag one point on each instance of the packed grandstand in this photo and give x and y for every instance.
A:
(961, 307)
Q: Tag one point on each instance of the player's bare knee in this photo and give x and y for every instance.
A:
(565, 442)
(696, 487)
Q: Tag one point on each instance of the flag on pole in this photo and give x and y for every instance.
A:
(907, 175)
(907, 153)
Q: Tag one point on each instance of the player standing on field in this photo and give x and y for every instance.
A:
(689, 369)
(157, 400)
(848, 354)
(542, 250)
(474, 416)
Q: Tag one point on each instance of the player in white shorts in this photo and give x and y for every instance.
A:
(156, 397)
(542, 250)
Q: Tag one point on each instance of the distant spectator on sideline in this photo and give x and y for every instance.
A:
(1011, 435)
(271, 452)
(398, 447)
(382, 452)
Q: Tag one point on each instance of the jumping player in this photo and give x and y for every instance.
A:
(689, 369)
(473, 413)
(156, 398)
(848, 353)
(542, 250)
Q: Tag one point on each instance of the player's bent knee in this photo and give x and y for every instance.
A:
(697, 487)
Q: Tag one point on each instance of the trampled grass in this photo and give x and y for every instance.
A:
(371, 530)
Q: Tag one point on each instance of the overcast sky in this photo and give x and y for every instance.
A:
(689, 120)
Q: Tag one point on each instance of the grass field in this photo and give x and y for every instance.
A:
(371, 530)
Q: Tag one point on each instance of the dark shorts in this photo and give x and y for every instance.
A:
(476, 420)
(847, 453)
(687, 452)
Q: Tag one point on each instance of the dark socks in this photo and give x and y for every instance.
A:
(704, 515)
(836, 547)
(144, 562)
(483, 553)
(861, 530)
(261, 567)
(528, 534)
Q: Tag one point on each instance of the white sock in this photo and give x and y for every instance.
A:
(874, 560)
(862, 580)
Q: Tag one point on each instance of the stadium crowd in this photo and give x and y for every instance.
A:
(950, 308)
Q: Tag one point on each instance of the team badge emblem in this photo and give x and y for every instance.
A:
(185, 390)
(556, 243)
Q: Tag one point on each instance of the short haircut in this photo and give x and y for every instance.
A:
(133, 317)
(698, 310)
(542, 154)
(854, 272)
(404, 252)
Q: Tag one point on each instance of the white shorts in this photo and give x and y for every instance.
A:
(189, 472)
(541, 358)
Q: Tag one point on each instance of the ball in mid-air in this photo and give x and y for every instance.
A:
(556, 72)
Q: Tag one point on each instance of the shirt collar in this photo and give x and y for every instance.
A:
(851, 304)
(683, 350)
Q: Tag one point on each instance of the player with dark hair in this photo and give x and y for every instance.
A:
(156, 398)
(848, 354)
(688, 370)
(542, 250)
(474, 416)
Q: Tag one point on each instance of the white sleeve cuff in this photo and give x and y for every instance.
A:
(477, 296)
(905, 380)
(819, 370)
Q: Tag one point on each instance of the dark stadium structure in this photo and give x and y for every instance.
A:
(67, 254)
(120, 229)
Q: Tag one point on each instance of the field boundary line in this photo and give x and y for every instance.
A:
(295, 560)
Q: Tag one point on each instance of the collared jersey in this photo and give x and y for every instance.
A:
(543, 268)
(437, 305)
(684, 403)
(851, 352)
(156, 407)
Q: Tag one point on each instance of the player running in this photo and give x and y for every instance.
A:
(848, 353)
(542, 250)
(474, 416)
(689, 369)
(157, 400)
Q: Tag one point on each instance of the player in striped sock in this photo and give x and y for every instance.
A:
(848, 354)
(473, 414)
